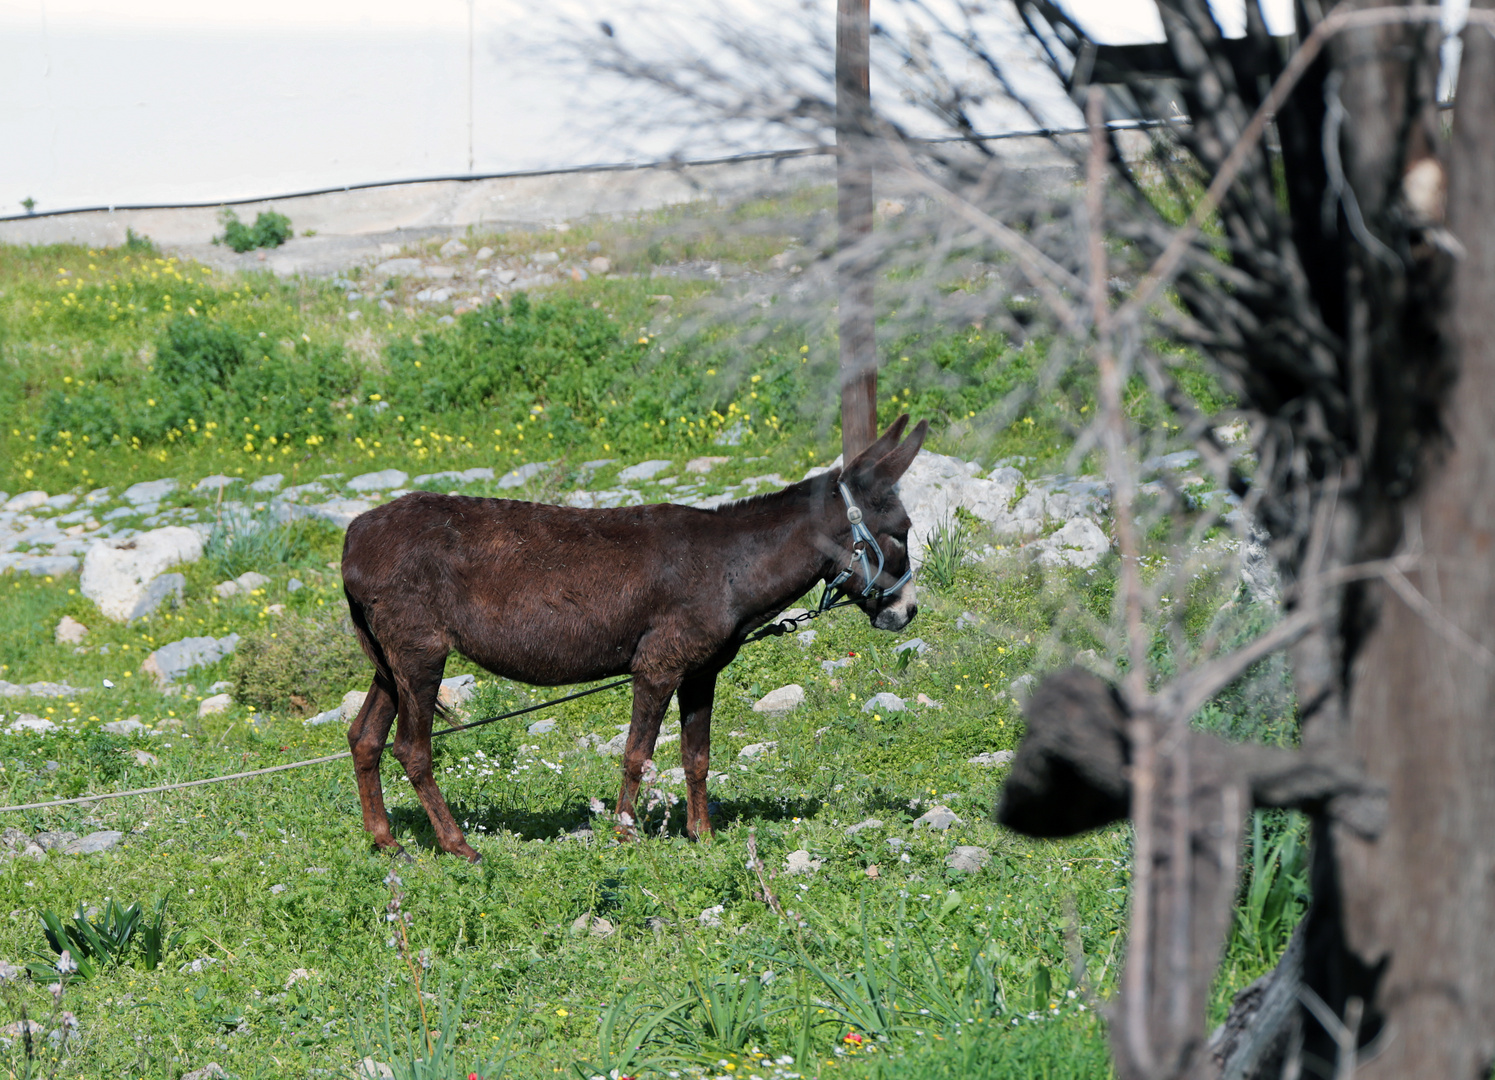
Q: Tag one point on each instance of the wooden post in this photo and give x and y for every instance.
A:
(854, 267)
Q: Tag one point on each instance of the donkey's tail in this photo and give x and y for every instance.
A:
(370, 644)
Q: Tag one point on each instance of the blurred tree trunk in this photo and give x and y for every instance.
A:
(855, 263)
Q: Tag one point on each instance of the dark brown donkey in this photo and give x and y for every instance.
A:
(551, 595)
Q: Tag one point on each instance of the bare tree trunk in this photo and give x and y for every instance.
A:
(855, 262)
(1405, 927)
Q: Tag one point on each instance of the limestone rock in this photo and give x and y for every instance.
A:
(887, 701)
(967, 860)
(456, 691)
(1080, 542)
(216, 482)
(124, 576)
(644, 470)
(69, 631)
(26, 500)
(170, 662)
(216, 704)
(615, 746)
(757, 749)
(213, 1071)
(149, 492)
(452, 247)
(522, 474)
(992, 758)
(592, 926)
(352, 701)
(938, 818)
(94, 843)
(541, 727)
(781, 700)
(712, 916)
(383, 480)
(131, 726)
(799, 862)
(868, 823)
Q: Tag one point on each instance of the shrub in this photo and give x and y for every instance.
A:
(296, 664)
(256, 541)
(268, 231)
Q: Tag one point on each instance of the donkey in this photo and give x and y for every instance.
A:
(550, 595)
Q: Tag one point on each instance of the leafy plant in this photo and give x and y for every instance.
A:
(269, 230)
(95, 947)
(1275, 895)
(945, 552)
(630, 1040)
(242, 541)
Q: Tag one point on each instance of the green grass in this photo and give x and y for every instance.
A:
(931, 973)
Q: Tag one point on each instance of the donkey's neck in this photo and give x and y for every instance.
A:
(775, 557)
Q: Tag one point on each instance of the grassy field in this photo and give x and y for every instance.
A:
(293, 950)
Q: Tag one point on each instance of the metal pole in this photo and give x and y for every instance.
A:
(855, 268)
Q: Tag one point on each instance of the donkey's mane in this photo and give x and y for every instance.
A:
(767, 499)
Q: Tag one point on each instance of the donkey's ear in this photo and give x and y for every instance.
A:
(895, 463)
(868, 458)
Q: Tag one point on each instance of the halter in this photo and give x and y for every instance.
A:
(861, 540)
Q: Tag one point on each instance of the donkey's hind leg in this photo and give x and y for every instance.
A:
(696, 697)
(366, 738)
(412, 746)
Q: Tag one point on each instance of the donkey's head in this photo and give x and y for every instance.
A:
(871, 480)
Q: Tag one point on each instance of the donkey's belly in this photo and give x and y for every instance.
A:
(549, 655)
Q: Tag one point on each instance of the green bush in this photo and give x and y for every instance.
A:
(268, 231)
(298, 665)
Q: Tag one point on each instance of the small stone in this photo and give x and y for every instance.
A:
(967, 619)
(216, 482)
(276, 890)
(919, 645)
(451, 248)
(295, 585)
(781, 700)
(132, 726)
(545, 258)
(368, 1068)
(522, 474)
(967, 860)
(615, 746)
(275, 609)
(895, 843)
(868, 823)
(70, 631)
(352, 702)
(703, 465)
(50, 841)
(872, 871)
(799, 862)
(94, 843)
(673, 776)
(383, 480)
(541, 727)
(1021, 687)
(268, 484)
(213, 1071)
(297, 975)
(712, 916)
(484, 254)
(887, 701)
(644, 470)
(149, 491)
(927, 701)
(593, 926)
(456, 691)
(171, 661)
(600, 265)
(938, 818)
(656, 924)
(145, 758)
(757, 749)
(992, 758)
(27, 500)
(216, 704)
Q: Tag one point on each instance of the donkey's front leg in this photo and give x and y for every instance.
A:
(651, 695)
(696, 695)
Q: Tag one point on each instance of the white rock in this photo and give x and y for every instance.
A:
(781, 700)
(27, 500)
(541, 727)
(593, 926)
(757, 749)
(398, 268)
(456, 691)
(992, 758)
(379, 481)
(522, 474)
(967, 860)
(216, 704)
(452, 247)
(149, 491)
(938, 818)
(352, 702)
(28, 722)
(868, 823)
(94, 842)
(1080, 543)
(1021, 687)
(600, 265)
(712, 916)
(117, 573)
(484, 254)
(69, 631)
(644, 470)
(268, 484)
(368, 1068)
(799, 862)
(615, 746)
(145, 758)
(216, 482)
(887, 701)
(125, 727)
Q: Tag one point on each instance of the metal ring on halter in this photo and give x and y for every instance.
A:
(862, 539)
